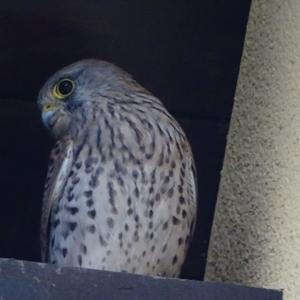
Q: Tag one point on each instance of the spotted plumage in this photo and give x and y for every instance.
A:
(120, 193)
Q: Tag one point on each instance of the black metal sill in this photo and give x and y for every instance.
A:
(29, 280)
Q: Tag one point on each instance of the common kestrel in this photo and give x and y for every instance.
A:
(120, 193)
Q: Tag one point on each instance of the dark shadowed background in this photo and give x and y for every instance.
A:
(186, 52)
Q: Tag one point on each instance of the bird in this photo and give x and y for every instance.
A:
(121, 188)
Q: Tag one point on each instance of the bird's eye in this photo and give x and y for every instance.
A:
(63, 88)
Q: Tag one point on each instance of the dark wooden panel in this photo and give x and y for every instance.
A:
(186, 52)
(23, 160)
(24, 280)
(207, 139)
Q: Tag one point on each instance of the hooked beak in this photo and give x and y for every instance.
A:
(48, 113)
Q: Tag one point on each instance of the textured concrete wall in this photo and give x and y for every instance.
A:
(256, 233)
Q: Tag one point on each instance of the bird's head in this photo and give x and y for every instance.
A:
(75, 86)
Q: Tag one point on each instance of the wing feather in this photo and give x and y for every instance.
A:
(61, 159)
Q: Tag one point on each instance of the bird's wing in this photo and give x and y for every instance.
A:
(189, 193)
(193, 191)
(60, 163)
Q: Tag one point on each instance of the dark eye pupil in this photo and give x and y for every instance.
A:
(65, 87)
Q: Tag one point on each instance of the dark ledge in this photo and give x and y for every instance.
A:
(27, 280)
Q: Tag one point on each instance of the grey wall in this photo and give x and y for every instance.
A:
(256, 232)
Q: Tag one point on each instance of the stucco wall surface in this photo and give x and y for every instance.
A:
(256, 233)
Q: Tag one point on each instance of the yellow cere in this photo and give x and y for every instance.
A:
(49, 107)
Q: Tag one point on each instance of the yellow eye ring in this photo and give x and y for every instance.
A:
(63, 88)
